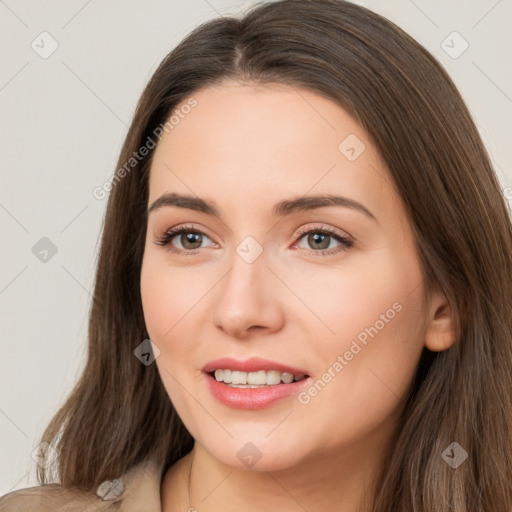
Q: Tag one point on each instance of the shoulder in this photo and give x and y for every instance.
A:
(137, 490)
(48, 498)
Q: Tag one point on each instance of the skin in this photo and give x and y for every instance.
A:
(247, 146)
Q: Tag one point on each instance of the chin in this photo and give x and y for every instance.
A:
(256, 453)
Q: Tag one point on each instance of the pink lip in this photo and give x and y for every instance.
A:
(251, 365)
(252, 398)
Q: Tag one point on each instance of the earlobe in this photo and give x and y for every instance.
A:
(440, 332)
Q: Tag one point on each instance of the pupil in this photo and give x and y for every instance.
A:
(323, 238)
(192, 238)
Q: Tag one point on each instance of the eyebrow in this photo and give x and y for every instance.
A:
(280, 209)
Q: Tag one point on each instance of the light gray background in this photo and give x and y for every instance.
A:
(63, 122)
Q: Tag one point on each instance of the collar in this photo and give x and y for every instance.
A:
(138, 490)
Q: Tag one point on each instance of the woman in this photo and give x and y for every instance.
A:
(338, 334)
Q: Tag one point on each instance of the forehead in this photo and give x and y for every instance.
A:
(265, 142)
(234, 115)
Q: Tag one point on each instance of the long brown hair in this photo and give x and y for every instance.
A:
(119, 413)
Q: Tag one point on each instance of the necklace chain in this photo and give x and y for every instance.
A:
(190, 507)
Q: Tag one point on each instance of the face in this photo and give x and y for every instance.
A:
(329, 290)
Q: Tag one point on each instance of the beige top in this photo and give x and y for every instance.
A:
(138, 490)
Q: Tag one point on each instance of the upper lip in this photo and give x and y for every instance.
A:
(253, 364)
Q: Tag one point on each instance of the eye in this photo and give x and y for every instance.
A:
(189, 239)
(322, 239)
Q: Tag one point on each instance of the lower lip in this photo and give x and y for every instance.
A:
(252, 398)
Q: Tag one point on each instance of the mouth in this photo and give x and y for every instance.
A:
(253, 384)
(257, 379)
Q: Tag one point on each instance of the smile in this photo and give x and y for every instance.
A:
(257, 379)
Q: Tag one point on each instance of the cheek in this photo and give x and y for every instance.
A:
(369, 355)
(175, 301)
(364, 298)
(159, 302)
(169, 296)
(166, 302)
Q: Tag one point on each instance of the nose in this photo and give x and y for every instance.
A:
(248, 300)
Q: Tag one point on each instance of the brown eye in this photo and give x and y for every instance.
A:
(319, 240)
(190, 240)
(183, 240)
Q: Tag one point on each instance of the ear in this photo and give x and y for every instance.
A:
(440, 331)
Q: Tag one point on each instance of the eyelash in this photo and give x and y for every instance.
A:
(167, 237)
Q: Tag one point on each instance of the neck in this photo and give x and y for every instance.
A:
(333, 481)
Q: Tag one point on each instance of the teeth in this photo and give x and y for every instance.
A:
(255, 379)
